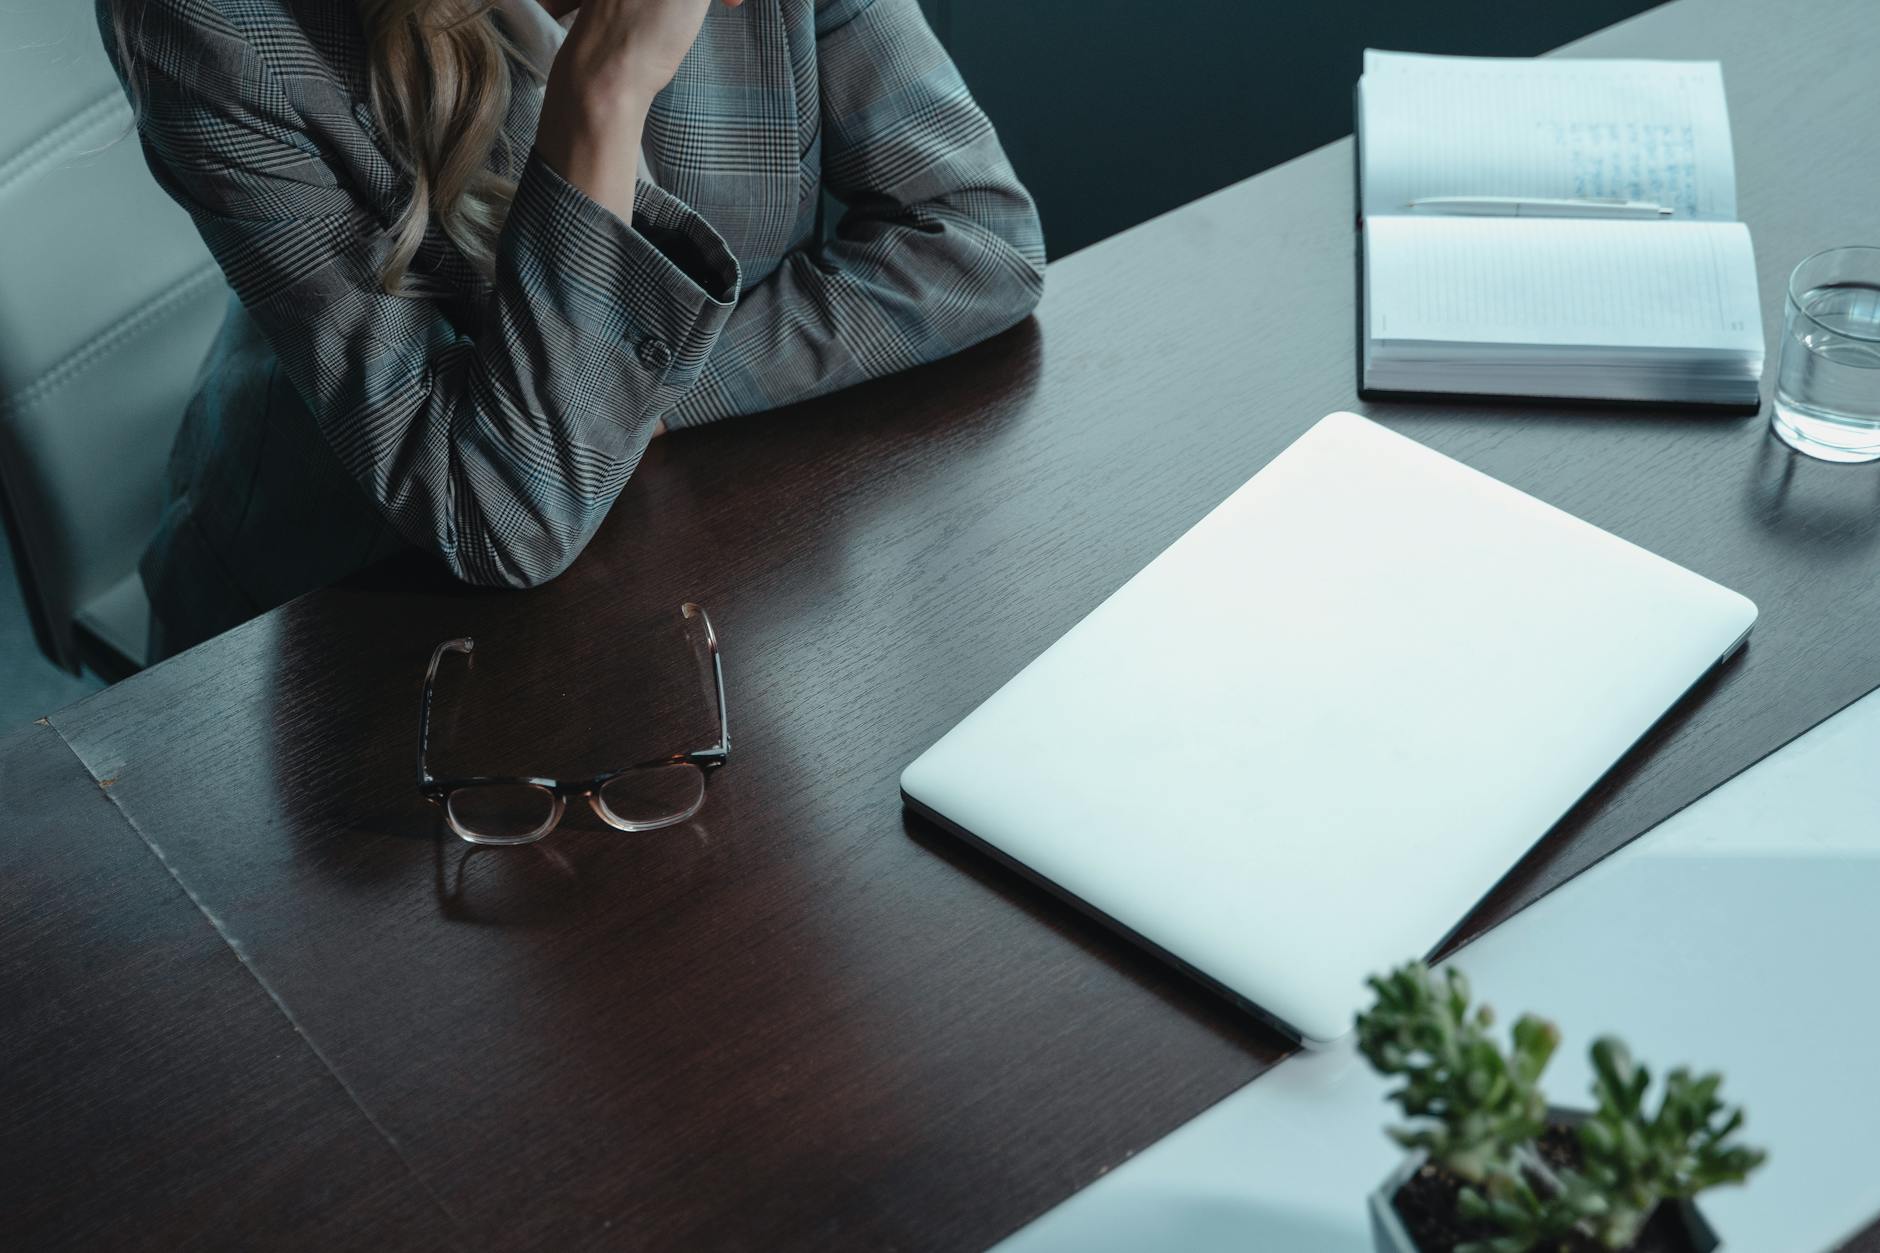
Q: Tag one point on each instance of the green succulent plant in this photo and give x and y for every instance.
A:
(1477, 1104)
(1480, 1111)
(1635, 1159)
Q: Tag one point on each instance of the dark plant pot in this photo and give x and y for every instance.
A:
(1389, 1235)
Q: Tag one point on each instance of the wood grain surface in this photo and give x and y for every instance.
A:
(809, 1021)
(155, 1096)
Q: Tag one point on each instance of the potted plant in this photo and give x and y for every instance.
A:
(1494, 1169)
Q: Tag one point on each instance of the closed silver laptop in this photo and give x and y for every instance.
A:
(1303, 742)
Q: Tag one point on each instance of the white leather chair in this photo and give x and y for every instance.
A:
(108, 300)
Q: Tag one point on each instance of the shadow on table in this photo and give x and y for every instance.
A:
(563, 877)
(1825, 508)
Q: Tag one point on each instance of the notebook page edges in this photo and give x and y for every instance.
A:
(1551, 128)
(1570, 282)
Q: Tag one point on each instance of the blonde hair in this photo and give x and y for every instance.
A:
(439, 89)
(440, 93)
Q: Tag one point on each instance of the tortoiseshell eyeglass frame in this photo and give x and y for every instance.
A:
(561, 791)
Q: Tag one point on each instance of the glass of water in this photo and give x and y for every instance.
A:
(1828, 385)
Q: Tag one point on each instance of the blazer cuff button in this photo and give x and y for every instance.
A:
(654, 354)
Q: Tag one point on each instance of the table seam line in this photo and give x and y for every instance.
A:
(229, 942)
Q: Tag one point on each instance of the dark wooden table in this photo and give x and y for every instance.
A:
(808, 1021)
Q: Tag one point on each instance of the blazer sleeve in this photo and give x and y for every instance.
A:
(496, 440)
(939, 246)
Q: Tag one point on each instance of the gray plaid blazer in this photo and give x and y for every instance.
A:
(493, 424)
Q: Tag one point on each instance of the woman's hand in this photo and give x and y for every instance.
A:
(630, 49)
(618, 55)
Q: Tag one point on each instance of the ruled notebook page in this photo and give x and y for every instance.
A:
(1562, 282)
(1554, 128)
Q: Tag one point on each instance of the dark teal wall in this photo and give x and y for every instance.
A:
(1116, 110)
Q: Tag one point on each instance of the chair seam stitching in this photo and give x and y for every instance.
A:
(87, 354)
(42, 151)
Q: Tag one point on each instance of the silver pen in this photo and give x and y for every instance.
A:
(1539, 207)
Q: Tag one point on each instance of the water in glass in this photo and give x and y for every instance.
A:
(1827, 401)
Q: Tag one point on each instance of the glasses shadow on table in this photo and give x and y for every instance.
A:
(567, 877)
(1814, 504)
(1096, 940)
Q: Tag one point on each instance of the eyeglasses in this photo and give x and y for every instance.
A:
(499, 809)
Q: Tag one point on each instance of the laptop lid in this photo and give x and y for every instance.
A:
(1302, 743)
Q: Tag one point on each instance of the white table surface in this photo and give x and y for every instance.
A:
(1740, 935)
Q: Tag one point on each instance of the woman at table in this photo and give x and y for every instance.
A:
(482, 253)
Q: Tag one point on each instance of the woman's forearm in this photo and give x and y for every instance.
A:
(591, 141)
(618, 55)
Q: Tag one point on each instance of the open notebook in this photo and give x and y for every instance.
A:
(1662, 309)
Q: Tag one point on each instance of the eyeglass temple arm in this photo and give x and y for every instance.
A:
(467, 644)
(464, 645)
(710, 638)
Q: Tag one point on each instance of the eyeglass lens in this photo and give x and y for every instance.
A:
(656, 796)
(501, 812)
